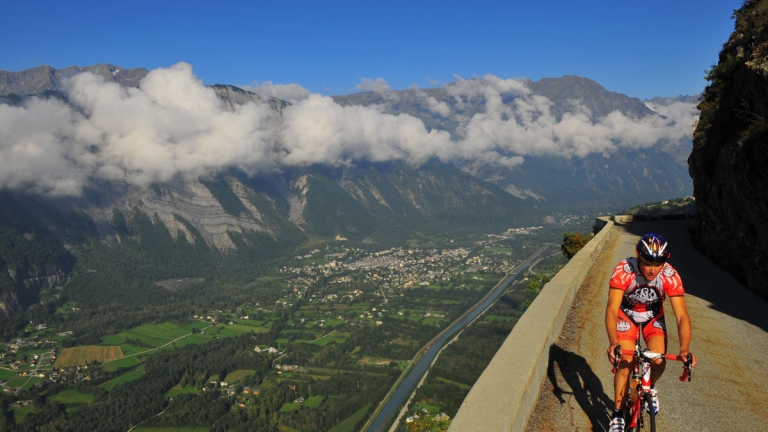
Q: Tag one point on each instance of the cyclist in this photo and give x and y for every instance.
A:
(636, 296)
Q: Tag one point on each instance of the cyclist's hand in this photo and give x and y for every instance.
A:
(611, 353)
(684, 354)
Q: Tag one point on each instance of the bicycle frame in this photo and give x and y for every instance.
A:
(641, 371)
(639, 381)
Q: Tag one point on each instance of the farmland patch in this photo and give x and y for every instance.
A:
(86, 354)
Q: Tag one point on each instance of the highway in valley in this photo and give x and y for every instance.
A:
(405, 387)
(730, 338)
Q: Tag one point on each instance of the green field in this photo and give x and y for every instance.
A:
(172, 429)
(234, 330)
(177, 390)
(154, 335)
(491, 318)
(20, 382)
(72, 396)
(128, 376)
(326, 340)
(17, 382)
(6, 374)
(319, 377)
(192, 340)
(120, 363)
(313, 401)
(20, 413)
(130, 349)
(457, 384)
(433, 321)
(31, 382)
(497, 249)
(237, 375)
(433, 409)
(347, 424)
(288, 407)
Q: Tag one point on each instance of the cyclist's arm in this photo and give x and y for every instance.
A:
(683, 324)
(615, 296)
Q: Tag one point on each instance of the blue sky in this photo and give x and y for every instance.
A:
(639, 48)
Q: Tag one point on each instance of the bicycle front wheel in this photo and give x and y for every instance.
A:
(651, 416)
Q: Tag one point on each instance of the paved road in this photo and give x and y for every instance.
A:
(729, 390)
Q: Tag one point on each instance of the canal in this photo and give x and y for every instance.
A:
(414, 376)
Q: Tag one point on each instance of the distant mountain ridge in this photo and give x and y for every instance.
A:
(682, 98)
(47, 78)
(600, 101)
(623, 178)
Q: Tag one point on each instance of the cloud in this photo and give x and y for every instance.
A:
(173, 125)
(32, 155)
(318, 130)
(435, 106)
(377, 86)
(170, 125)
(683, 115)
(287, 92)
(515, 121)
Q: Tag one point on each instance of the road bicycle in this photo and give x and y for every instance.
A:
(638, 394)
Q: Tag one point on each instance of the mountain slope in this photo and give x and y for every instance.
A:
(124, 238)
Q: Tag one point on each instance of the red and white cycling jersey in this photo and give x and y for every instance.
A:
(643, 299)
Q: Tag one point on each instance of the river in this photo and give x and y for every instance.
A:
(430, 351)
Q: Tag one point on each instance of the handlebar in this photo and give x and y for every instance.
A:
(687, 361)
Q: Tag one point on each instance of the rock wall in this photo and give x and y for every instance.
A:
(729, 161)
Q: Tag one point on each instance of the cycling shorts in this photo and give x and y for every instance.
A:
(626, 329)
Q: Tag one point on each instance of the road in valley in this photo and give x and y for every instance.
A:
(730, 338)
(426, 355)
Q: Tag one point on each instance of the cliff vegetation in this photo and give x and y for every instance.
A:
(729, 161)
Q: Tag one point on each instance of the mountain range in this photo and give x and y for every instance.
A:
(234, 219)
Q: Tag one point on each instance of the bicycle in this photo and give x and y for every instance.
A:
(638, 392)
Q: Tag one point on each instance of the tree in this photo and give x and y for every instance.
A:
(573, 242)
(535, 285)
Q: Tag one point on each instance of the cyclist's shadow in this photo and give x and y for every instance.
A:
(589, 395)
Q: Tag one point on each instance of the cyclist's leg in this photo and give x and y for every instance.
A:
(655, 335)
(626, 331)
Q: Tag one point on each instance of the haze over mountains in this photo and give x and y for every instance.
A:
(115, 154)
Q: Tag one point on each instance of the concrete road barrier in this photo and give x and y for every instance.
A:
(504, 396)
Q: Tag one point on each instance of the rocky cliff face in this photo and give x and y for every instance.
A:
(729, 162)
(187, 199)
(232, 96)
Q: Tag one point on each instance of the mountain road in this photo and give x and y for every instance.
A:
(730, 338)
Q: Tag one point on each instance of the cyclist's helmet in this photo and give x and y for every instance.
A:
(653, 248)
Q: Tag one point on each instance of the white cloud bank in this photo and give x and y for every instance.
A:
(287, 92)
(173, 125)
